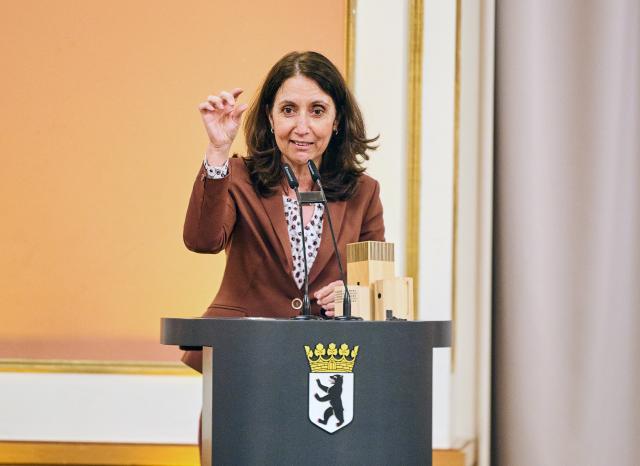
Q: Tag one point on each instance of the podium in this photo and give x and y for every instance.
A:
(284, 392)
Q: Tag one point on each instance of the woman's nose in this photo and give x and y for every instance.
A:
(302, 123)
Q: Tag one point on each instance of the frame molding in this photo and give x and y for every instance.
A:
(50, 453)
(116, 454)
(456, 185)
(35, 366)
(351, 7)
(414, 145)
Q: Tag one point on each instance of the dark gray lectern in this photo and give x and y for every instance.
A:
(282, 392)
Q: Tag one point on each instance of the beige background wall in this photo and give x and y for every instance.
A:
(100, 144)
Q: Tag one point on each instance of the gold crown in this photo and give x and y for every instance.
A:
(323, 359)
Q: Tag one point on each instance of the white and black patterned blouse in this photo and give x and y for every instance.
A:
(312, 231)
(312, 235)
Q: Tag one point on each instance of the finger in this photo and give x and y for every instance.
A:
(329, 289)
(330, 313)
(331, 307)
(216, 102)
(332, 285)
(205, 106)
(331, 296)
(227, 98)
(236, 92)
(238, 111)
(322, 292)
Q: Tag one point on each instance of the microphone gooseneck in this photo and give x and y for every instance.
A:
(306, 304)
(346, 300)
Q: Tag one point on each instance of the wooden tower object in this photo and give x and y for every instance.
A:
(369, 261)
(372, 284)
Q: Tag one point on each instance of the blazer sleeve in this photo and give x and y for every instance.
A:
(211, 214)
(373, 222)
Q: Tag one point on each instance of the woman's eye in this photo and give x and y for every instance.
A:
(318, 111)
(287, 110)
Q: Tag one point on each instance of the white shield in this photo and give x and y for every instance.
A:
(331, 400)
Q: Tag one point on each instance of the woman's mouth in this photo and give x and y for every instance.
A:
(301, 143)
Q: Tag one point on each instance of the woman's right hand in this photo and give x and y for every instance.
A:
(221, 115)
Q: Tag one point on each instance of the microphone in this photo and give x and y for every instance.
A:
(315, 174)
(291, 178)
(346, 302)
(306, 304)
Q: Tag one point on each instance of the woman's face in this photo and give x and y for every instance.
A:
(303, 118)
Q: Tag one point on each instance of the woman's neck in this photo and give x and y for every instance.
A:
(304, 180)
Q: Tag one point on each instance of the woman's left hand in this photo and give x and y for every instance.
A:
(326, 297)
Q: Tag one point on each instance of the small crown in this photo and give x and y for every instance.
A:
(323, 359)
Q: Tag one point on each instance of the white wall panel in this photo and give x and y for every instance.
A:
(380, 86)
(464, 387)
(100, 408)
(436, 195)
(381, 64)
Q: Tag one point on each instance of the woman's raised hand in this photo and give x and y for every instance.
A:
(221, 115)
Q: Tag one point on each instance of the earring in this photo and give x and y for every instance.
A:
(335, 130)
(272, 130)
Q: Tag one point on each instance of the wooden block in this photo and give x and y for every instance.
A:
(364, 273)
(395, 294)
(369, 261)
(370, 250)
(360, 301)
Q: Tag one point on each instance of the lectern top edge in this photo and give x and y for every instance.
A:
(201, 331)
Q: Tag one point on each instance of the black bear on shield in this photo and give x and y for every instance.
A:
(334, 397)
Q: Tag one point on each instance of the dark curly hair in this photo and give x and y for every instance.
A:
(342, 161)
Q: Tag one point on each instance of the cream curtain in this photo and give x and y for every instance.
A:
(566, 322)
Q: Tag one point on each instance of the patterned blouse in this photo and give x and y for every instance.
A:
(312, 231)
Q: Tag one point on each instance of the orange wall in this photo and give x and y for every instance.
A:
(101, 141)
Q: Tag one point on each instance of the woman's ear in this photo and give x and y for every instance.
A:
(269, 117)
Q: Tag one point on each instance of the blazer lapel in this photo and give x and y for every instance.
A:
(325, 251)
(274, 208)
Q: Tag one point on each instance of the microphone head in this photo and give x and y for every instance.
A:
(291, 178)
(315, 174)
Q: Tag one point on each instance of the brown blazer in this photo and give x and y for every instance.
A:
(258, 282)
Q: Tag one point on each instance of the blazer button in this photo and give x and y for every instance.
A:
(296, 303)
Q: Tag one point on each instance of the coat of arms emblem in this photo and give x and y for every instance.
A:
(331, 385)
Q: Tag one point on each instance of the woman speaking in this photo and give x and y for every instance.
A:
(304, 111)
